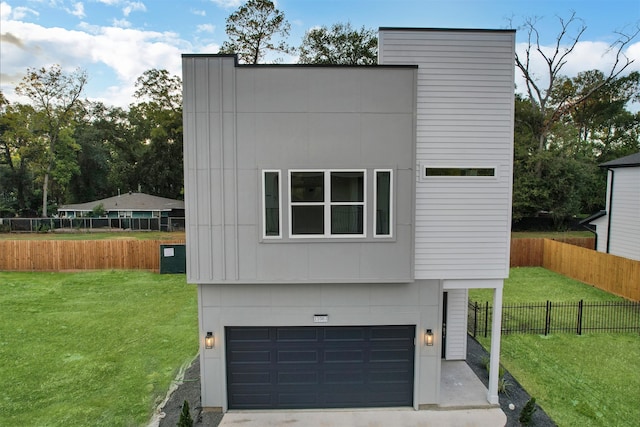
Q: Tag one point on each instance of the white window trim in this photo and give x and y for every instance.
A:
(327, 206)
(375, 203)
(264, 204)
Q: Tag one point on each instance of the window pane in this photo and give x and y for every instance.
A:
(307, 186)
(347, 186)
(460, 172)
(307, 219)
(271, 204)
(383, 203)
(346, 219)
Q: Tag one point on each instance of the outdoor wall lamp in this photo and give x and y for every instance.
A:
(428, 337)
(209, 340)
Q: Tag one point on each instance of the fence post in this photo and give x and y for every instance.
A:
(580, 317)
(475, 318)
(547, 322)
(486, 318)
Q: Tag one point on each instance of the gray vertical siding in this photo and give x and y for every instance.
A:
(465, 119)
(240, 120)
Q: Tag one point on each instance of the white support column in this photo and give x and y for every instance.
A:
(494, 362)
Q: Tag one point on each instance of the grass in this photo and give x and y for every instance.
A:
(536, 284)
(587, 380)
(97, 348)
(103, 235)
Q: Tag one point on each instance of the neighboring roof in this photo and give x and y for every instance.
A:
(627, 161)
(129, 202)
(593, 217)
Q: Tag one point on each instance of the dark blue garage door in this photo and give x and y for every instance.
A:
(320, 367)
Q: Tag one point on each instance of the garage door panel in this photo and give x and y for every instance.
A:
(284, 334)
(391, 333)
(297, 356)
(320, 367)
(250, 334)
(297, 377)
(251, 357)
(343, 378)
(391, 355)
(251, 378)
(344, 356)
(344, 334)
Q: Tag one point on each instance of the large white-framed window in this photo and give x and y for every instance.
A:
(271, 204)
(327, 203)
(383, 203)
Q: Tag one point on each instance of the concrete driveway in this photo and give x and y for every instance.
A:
(490, 417)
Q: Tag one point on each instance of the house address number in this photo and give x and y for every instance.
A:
(320, 318)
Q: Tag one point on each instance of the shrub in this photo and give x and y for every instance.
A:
(526, 414)
(185, 417)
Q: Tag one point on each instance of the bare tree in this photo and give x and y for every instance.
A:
(546, 94)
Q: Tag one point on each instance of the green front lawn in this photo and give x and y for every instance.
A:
(98, 348)
(588, 380)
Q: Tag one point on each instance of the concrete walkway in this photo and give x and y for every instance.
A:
(492, 417)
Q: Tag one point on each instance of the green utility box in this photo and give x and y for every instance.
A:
(173, 259)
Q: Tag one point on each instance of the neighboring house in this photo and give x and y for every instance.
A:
(337, 216)
(128, 205)
(617, 228)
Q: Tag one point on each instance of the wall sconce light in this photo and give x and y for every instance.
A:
(428, 337)
(209, 340)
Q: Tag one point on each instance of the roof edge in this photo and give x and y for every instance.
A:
(461, 30)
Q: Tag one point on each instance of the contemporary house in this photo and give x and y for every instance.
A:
(337, 216)
(617, 228)
(128, 205)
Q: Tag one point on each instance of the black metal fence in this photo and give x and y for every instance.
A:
(35, 225)
(556, 317)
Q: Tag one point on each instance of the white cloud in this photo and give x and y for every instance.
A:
(118, 54)
(8, 12)
(121, 23)
(133, 7)
(227, 4)
(205, 28)
(77, 11)
(199, 12)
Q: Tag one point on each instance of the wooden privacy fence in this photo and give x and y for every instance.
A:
(530, 252)
(61, 255)
(614, 274)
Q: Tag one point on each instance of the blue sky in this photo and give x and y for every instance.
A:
(115, 41)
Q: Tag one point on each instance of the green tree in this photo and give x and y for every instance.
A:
(55, 95)
(20, 150)
(157, 130)
(252, 30)
(98, 134)
(546, 90)
(340, 44)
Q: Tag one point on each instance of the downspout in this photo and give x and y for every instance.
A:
(610, 210)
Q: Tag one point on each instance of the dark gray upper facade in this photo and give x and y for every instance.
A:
(241, 121)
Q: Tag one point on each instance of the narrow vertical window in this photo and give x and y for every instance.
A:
(383, 188)
(271, 203)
